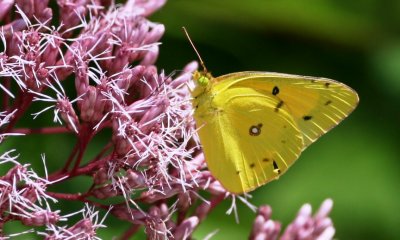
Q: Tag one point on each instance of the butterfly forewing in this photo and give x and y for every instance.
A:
(316, 104)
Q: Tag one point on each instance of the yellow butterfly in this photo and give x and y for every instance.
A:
(254, 125)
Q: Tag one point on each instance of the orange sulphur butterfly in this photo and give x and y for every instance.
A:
(254, 125)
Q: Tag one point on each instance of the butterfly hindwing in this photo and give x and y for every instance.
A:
(249, 139)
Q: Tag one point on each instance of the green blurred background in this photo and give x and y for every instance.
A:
(355, 42)
(356, 164)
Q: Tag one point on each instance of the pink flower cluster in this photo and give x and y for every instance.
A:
(304, 227)
(152, 160)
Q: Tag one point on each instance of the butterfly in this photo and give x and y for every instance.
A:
(254, 125)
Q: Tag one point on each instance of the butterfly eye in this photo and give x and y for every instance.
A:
(203, 81)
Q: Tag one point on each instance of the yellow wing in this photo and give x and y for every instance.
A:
(246, 140)
(316, 104)
(254, 125)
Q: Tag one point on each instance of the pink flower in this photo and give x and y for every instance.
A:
(96, 71)
(304, 227)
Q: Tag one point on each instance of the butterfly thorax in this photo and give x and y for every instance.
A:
(203, 94)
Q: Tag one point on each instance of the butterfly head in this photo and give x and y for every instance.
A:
(203, 82)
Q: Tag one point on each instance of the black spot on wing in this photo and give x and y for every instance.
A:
(252, 165)
(328, 102)
(327, 84)
(276, 168)
(307, 117)
(275, 90)
(279, 105)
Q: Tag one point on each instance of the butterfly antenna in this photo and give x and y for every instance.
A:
(197, 53)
